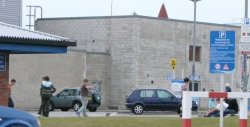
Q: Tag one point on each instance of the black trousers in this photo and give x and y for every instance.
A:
(44, 108)
(10, 102)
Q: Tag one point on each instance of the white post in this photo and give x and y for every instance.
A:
(173, 74)
(232, 80)
(182, 73)
(186, 109)
(85, 65)
(221, 99)
(243, 112)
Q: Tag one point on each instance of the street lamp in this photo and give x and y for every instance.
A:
(193, 66)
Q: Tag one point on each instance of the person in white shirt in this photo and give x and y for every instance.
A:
(211, 102)
(216, 111)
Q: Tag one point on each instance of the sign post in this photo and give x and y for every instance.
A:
(244, 46)
(222, 57)
(173, 64)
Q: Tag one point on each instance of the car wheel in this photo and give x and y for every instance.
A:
(138, 109)
(51, 106)
(65, 109)
(77, 105)
(92, 109)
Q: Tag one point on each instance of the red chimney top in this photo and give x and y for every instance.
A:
(163, 13)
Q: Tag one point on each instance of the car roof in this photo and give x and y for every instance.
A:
(73, 88)
(139, 89)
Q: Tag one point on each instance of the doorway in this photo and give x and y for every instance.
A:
(197, 86)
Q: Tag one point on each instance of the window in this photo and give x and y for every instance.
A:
(97, 86)
(164, 94)
(73, 92)
(147, 93)
(196, 86)
(197, 53)
(64, 92)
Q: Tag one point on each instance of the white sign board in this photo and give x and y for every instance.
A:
(176, 85)
(169, 76)
(244, 46)
(245, 30)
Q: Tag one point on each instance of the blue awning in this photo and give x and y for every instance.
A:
(29, 49)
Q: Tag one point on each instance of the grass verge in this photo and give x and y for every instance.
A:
(135, 122)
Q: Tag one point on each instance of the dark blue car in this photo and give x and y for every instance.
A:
(140, 100)
(10, 117)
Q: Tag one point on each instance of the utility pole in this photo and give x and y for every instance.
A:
(245, 76)
(194, 34)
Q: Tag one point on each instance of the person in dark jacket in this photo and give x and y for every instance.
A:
(46, 90)
(233, 107)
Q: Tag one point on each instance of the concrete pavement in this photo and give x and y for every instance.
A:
(114, 113)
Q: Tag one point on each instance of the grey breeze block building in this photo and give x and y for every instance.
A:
(120, 53)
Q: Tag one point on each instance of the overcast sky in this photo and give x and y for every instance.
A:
(213, 11)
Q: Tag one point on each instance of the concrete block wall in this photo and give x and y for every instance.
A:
(119, 36)
(157, 49)
(64, 70)
(141, 49)
(124, 53)
(91, 35)
(97, 69)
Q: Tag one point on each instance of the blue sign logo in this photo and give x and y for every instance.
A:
(222, 34)
(246, 21)
(222, 51)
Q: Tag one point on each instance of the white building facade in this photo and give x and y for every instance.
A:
(11, 12)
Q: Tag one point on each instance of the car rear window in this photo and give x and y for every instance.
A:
(164, 94)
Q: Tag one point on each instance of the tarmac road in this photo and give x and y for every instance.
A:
(115, 113)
